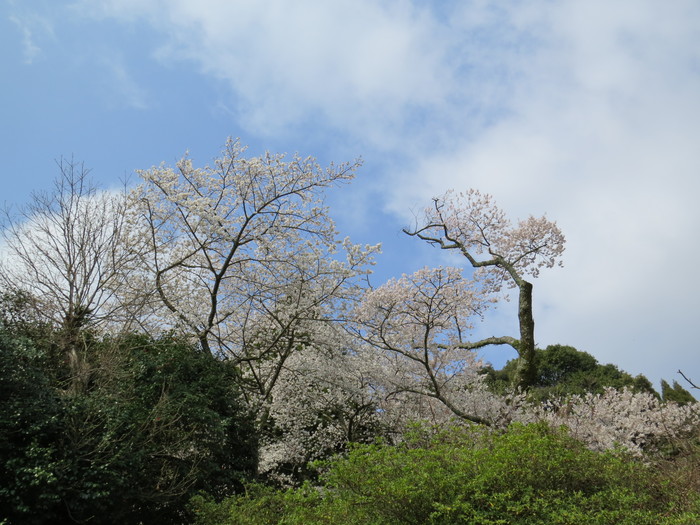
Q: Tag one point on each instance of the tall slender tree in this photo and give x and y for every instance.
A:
(501, 253)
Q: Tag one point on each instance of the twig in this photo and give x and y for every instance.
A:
(693, 385)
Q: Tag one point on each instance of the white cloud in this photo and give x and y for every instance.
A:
(600, 135)
(351, 63)
(33, 29)
(584, 109)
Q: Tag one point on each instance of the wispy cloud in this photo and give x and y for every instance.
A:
(122, 89)
(599, 133)
(353, 64)
(584, 109)
(32, 28)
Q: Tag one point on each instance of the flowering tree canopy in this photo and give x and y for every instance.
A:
(501, 253)
(244, 255)
(420, 323)
(637, 421)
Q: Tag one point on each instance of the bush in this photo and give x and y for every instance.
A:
(526, 475)
(30, 427)
(160, 421)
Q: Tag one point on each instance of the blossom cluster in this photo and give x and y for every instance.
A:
(636, 421)
(473, 224)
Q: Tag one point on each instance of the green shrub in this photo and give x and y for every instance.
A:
(30, 427)
(161, 420)
(526, 475)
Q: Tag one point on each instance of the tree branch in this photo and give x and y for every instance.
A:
(693, 385)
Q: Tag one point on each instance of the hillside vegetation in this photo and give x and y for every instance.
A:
(205, 348)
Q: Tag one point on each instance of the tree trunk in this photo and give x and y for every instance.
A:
(527, 367)
(72, 345)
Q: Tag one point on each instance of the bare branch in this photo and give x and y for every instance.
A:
(693, 385)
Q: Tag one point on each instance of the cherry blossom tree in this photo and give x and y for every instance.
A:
(418, 326)
(500, 252)
(324, 401)
(637, 421)
(244, 257)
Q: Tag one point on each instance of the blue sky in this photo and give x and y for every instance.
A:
(586, 110)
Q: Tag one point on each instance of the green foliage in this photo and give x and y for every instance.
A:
(160, 421)
(16, 316)
(262, 505)
(526, 475)
(30, 425)
(19, 319)
(563, 370)
(675, 393)
(163, 422)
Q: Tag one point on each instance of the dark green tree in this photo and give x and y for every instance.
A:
(160, 421)
(675, 393)
(563, 370)
(31, 425)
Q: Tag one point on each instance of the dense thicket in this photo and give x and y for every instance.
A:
(159, 422)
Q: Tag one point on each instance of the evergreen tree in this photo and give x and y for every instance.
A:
(563, 370)
(675, 393)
